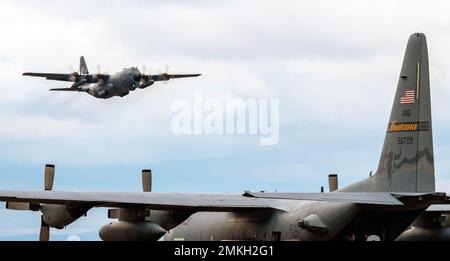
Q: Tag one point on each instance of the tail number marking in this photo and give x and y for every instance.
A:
(405, 140)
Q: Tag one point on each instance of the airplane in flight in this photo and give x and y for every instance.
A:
(105, 86)
(398, 202)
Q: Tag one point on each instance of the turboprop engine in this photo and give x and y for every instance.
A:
(140, 224)
(146, 84)
(131, 231)
(55, 216)
(60, 216)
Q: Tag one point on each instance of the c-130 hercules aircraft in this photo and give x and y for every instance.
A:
(397, 202)
(105, 86)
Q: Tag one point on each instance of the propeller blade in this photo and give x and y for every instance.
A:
(147, 180)
(113, 213)
(44, 234)
(49, 176)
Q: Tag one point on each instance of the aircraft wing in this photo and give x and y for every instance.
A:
(212, 202)
(155, 201)
(176, 76)
(66, 89)
(166, 77)
(51, 76)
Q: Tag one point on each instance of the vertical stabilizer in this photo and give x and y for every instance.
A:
(407, 160)
(83, 66)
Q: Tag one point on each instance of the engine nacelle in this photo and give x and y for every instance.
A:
(146, 84)
(59, 216)
(426, 234)
(93, 88)
(131, 231)
(168, 219)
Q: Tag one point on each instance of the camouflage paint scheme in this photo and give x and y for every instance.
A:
(105, 86)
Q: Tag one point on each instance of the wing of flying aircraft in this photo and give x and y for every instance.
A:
(73, 77)
(166, 76)
(53, 76)
(66, 89)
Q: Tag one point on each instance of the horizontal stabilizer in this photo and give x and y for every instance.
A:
(443, 209)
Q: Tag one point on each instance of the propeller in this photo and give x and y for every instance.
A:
(147, 180)
(146, 187)
(142, 79)
(49, 178)
(73, 75)
(165, 75)
(44, 234)
(143, 69)
(99, 76)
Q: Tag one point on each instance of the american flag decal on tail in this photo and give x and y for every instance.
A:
(409, 97)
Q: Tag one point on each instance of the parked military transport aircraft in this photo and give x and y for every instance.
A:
(105, 86)
(397, 202)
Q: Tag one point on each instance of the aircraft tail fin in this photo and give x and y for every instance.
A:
(83, 66)
(407, 160)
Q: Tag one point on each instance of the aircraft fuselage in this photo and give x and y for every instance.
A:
(269, 225)
(118, 84)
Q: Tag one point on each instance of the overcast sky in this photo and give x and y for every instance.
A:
(333, 65)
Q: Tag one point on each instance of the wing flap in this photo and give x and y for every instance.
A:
(386, 199)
